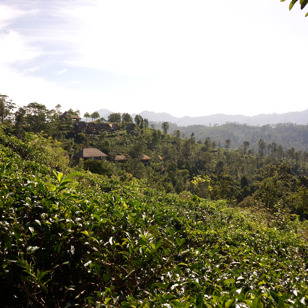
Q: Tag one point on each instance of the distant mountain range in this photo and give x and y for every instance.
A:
(219, 119)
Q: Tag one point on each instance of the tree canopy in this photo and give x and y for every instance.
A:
(126, 118)
(6, 107)
(95, 115)
(165, 127)
(115, 117)
(303, 3)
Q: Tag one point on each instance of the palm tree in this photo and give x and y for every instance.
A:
(87, 115)
(95, 115)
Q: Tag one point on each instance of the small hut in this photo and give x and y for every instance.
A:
(73, 116)
(114, 127)
(81, 126)
(100, 127)
(120, 158)
(145, 159)
(90, 153)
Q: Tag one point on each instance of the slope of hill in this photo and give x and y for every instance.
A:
(286, 135)
(84, 240)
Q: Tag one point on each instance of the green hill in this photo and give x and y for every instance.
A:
(81, 239)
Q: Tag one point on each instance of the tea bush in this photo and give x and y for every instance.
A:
(80, 239)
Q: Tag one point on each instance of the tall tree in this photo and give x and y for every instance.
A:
(165, 127)
(139, 120)
(87, 115)
(261, 147)
(19, 129)
(245, 146)
(146, 123)
(58, 109)
(95, 115)
(6, 107)
(207, 144)
(37, 117)
(126, 118)
(114, 118)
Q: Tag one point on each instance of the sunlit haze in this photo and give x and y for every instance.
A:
(186, 58)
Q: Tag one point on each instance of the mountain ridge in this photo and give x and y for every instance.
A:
(296, 117)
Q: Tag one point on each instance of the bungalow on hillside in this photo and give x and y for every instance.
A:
(130, 127)
(114, 127)
(120, 158)
(91, 128)
(103, 127)
(90, 153)
(145, 159)
(80, 126)
(74, 117)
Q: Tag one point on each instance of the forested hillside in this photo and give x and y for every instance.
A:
(287, 135)
(193, 225)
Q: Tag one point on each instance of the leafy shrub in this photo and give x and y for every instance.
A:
(88, 240)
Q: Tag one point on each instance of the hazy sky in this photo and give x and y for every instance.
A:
(182, 57)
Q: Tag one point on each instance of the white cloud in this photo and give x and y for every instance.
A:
(7, 14)
(61, 72)
(197, 57)
(14, 48)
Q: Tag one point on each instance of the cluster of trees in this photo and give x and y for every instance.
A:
(268, 175)
(119, 118)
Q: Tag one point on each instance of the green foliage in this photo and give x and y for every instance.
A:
(87, 115)
(101, 167)
(114, 118)
(80, 239)
(38, 149)
(139, 120)
(95, 115)
(234, 174)
(6, 107)
(165, 127)
(303, 4)
(126, 118)
(36, 117)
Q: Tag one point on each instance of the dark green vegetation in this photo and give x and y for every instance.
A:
(254, 173)
(169, 233)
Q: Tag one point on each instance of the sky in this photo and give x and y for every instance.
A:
(186, 58)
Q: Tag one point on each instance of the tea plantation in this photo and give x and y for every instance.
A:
(76, 239)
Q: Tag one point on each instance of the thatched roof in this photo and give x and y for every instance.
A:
(120, 158)
(73, 116)
(89, 153)
(145, 157)
(130, 126)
